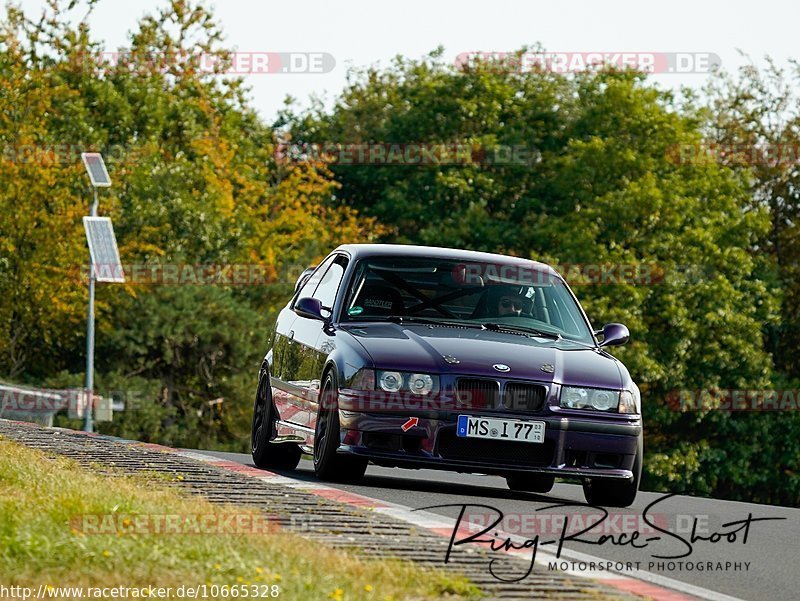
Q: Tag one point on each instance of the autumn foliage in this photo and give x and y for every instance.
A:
(593, 168)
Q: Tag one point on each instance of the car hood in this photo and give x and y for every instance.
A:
(423, 348)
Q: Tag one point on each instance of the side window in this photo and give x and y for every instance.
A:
(329, 285)
(311, 283)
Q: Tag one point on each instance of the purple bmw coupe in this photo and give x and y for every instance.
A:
(421, 357)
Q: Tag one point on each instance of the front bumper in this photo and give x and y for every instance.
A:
(574, 446)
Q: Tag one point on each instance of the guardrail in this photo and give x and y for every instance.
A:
(39, 405)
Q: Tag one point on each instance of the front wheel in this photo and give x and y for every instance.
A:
(615, 493)
(283, 456)
(328, 464)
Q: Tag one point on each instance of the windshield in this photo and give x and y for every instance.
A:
(504, 296)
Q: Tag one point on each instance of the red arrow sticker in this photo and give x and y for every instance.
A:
(412, 421)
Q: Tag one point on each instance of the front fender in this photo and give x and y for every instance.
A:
(346, 357)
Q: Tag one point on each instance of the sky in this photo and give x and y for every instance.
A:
(329, 37)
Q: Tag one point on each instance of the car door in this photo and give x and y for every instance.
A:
(292, 368)
(314, 340)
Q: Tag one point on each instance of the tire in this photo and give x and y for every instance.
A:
(541, 483)
(328, 464)
(266, 455)
(615, 493)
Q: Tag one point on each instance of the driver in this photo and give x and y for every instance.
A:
(510, 301)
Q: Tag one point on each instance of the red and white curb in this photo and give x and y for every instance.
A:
(637, 582)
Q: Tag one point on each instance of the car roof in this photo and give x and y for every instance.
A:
(360, 251)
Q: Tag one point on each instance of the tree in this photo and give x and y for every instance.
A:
(603, 187)
(41, 200)
(195, 183)
(752, 126)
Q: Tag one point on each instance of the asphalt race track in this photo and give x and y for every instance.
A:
(769, 548)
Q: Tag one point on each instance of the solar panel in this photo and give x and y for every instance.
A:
(96, 168)
(106, 265)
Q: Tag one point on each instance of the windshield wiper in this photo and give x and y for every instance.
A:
(401, 319)
(496, 327)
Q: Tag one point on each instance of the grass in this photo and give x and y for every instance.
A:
(44, 541)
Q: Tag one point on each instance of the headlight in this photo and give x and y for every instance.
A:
(390, 381)
(598, 399)
(394, 381)
(604, 400)
(574, 398)
(420, 383)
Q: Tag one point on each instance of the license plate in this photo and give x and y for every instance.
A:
(516, 430)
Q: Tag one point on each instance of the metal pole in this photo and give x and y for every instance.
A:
(88, 425)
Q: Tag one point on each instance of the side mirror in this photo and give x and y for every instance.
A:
(303, 277)
(309, 307)
(614, 334)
